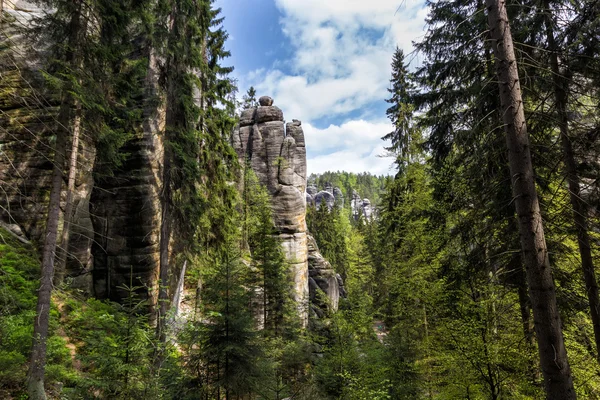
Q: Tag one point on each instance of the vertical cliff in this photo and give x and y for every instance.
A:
(277, 154)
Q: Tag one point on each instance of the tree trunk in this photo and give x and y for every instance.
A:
(63, 250)
(579, 209)
(37, 361)
(171, 121)
(553, 354)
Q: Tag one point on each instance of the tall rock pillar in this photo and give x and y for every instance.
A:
(277, 154)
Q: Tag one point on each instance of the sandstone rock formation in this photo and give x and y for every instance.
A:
(360, 207)
(277, 155)
(28, 118)
(324, 284)
(326, 198)
(117, 240)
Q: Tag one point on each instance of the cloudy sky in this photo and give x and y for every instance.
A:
(327, 63)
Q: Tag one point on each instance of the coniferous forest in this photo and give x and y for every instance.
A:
(160, 237)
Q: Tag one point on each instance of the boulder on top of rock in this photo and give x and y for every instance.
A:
(265, 101)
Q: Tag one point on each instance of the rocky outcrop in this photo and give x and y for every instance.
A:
(277, 155)
(360, 207)
(325, 286)
(28, 118)
(115, 243)
(324, 198)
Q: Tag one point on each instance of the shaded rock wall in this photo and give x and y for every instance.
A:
(115, 243)
(27, 124)
(325, 285)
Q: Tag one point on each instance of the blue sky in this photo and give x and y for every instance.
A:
(327, 63)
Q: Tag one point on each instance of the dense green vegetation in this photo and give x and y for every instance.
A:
(367, 185)
(436, 303)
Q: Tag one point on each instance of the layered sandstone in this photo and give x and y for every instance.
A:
(276, 152)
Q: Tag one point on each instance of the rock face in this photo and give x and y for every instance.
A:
(277, 155)
(28, 118)
(361, 206)
(324, 198)
(324, 284)
(119, 237)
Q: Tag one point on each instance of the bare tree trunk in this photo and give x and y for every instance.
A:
(579, 209)
(63, 250)
(37, 361)
(553, 354)
(171, 123)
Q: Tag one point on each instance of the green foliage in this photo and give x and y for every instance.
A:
(367, 185)
(19, 274)
(330, 230)
(273, 276)
(113, 346)
(222, 346)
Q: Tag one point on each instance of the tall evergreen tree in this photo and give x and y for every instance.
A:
(401, 110)
(553, 354)
(69, 61)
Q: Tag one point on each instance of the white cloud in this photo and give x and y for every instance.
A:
(355, 133)
(354, 146)
(352, 160)
(340, 67)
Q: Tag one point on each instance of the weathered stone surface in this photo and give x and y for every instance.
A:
(325, 292)
(247, 117)
(339, 196)
(265, 101)
(278, 158)
(325, 197)
(116, 243)
(361, 207)
(310, 201)
(29, 121)
(268, 114)
(126, 222)
(312, 190)
(294, 130)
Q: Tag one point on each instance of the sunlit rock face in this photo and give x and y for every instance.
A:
(361, 207)
(276, 152)
(325, 286)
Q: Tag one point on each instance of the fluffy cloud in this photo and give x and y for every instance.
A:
(352, 160)
(354, 146)
(340, 69)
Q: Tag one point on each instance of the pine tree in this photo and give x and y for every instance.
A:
(553, 355)
(268, 258)
(224, 346)
(249, 99)
(70, 59)
(401, 110)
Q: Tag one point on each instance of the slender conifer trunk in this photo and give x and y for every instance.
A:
(579, 210)
(63, 250)
(553, 354)
(171, 121)
(37, 360)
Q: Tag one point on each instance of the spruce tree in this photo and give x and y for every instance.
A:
(553, 354)
(400, 112)
(69, 59)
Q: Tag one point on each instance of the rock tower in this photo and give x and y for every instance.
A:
(276, 152)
